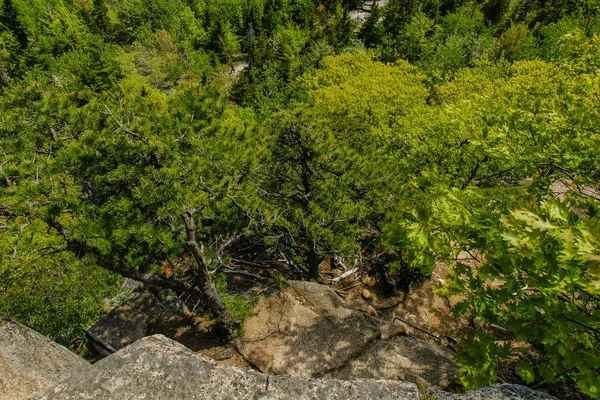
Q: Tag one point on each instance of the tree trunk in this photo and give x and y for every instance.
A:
(313, 261)
(208, 294)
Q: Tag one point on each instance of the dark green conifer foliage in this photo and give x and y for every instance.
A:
(397, 14)
(11, 20)
(340, 31)
(494, 10)
(99, 19)
(372, 30)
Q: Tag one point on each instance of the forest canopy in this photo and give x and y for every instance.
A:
(166, 140)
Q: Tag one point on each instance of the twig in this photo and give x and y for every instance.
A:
(338, 260)
(123, 127)
(21, 229)
(229, 242)
(416, 327)
(429, 333)
(248, 263)
(583, 324)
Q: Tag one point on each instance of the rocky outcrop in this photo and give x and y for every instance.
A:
(327, 337)
(159, 368)
(311, 322)
(307, 330)
(30, 362)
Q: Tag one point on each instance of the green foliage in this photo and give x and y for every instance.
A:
(239, 306)
(10, 20)
(46, 288)
(330, 169)
(477, 359)
(372, 30)
(117, 193)
(516, 43)
(278, 281)
(536, 256)
(542, 261)
(115, 117)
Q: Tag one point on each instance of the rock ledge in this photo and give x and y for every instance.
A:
(159, 368)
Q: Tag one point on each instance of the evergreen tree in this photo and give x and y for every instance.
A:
(371, 31)
(397, 14)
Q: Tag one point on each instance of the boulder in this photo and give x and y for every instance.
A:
(159, 368)
(497, 392)
(402, 358)
(328, 338)
(30, 362)
(311, 322)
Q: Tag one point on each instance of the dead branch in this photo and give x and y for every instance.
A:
(204, 291)
(249, 263)
(244, 273)
(99, 341)
(21, 230)
(344, 275)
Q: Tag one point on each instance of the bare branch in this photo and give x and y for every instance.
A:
(207, 290)
(229, 242)
(99, 341)
(123, 127)
(249, 263)
(344, 275)
(244, 273)
(192, 244)
(21, 230)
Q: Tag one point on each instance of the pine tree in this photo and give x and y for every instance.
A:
(372, 30)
